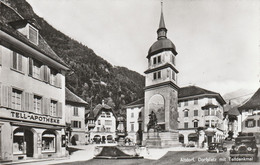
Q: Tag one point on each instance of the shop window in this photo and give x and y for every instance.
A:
(53, 108)
(16, 99)
(75, 111)
(19, 145)
(37, 103)
(48, 141)
(17, 61)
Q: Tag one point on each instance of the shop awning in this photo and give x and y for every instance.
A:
(37, 125)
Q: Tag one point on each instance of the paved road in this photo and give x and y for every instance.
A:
(171, 158)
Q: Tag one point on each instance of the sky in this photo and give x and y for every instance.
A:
(218, 41)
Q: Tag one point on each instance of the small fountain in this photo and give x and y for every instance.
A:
(121, 150)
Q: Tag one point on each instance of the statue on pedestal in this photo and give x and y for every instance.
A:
(152, 121)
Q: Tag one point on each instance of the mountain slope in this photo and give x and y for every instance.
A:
(91, 77)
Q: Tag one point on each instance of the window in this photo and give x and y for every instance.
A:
(209, 100)
(186, 103)
(195, 124)
(196, 101)
(33, 35)
(206, 111)
(186, 113)
(196, 112)
(132, 114)
(108, 129)
(108, 114)
(250, 112)
(173, 60)
(173, 75)
(98, 129)
(108, 122)
(53, 108)
(157, 60)
(75, 111)
(157, 75)
(17, 61)
(37, 103)
(48, 141)
(132, 126)
(103, 114)
(207, 123)
(186, 125)
(250, 123)
(16, 99)
(36, 69)
(76, 124)
(99, 122)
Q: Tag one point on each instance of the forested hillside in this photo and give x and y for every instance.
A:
(91, 77)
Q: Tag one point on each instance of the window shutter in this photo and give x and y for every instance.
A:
(258, 123)
(23, 101)
(254, 124)
(26, 100)
(79, 124)
(48, 74)
(9, 93)
(59, 109)
(14, 60)
(246, 124)
(20, 62)
(4, 96)
(31, 102)
(30, 67)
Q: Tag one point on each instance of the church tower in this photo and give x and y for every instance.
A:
(161, 90)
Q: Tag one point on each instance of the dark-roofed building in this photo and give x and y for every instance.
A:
(101, 124)
(75, 118)
(200, 110)
(250, 115)
(32, 91)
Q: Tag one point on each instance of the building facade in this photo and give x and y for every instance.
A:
(101, 124)
(134, 120)
(250, 116)
(200, 116)
(75, 118)
(32, 91)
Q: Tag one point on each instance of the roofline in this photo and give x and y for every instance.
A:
(161, 50)
(7, 39)
(217, 95)
(161, 85)
(74, 102)
(133, 106)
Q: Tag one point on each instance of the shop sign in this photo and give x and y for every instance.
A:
(33, 117)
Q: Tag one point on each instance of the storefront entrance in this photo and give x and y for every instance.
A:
(23, 142)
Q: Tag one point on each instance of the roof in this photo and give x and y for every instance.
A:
(162, 43)
(10, 17)
(71, 97)
(98, 109)
(194, 91)
(252, 103)
(139, 102)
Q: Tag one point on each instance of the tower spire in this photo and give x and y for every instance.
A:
(161, 32)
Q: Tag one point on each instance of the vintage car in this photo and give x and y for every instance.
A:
(245, 149)
(216, 147)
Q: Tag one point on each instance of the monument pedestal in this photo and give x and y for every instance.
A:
(161, 139)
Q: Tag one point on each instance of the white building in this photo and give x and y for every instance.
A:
(101, 124)
(75, 117)
(134, 120)
(200, 115)
(32, 91)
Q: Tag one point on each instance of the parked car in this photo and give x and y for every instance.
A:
(216, 147)
(244, 149)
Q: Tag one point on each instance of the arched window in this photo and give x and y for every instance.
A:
(48, 141)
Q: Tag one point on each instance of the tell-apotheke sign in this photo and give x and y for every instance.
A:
(34, 117)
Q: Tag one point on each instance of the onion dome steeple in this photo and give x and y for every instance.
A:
(162, 29)
(162, 43)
